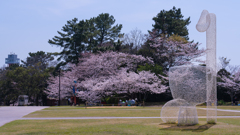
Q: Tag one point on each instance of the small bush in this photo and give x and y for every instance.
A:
(203, 104)
(211, 122)
(221, 102)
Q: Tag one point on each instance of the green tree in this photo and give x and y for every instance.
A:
(171, 22)
(129, 48)
(109, 46)
(8, 93)
(38, 71)
(72, 40)
(158, 70)
(29, 81)
(107, 32)
(39, 57)
(146, 50)
(13, 66)
(91, 34)
(87, 35)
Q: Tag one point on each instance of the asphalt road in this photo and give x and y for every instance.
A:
(11, 113)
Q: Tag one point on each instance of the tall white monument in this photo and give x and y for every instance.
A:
(207, 22)
(192, 85)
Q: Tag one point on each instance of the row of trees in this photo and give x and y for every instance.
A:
(109, 73)
(126, 65)
(105, 62)
(29, 78)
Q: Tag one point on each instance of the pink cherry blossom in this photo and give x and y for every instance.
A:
(177, 53)
(104, 74)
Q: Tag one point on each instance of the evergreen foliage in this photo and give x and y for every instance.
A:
(158, 70)
(38, 57)
(171, 22)
(107, 32)
(85, 35)
(72, 40)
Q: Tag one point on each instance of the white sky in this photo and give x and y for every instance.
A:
(27, 25)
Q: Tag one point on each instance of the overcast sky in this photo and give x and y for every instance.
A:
(27, 25)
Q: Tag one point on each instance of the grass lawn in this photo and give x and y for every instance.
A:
(118, 127)
(111, 112)
(97, 112)
(229, 107)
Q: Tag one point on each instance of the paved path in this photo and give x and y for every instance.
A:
(223, 110)
(10, 113)
(75, 118)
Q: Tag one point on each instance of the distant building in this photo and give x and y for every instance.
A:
(12, 59)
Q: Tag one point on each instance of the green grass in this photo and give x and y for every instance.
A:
(229, 107)
(98, 112)
(118, 127)
(110, 112)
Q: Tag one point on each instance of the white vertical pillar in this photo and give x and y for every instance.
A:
(207, 22)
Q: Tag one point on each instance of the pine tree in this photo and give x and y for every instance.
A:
(72, 40)
(171, 22)
(107, 32)
(40, 57)
(85, 35)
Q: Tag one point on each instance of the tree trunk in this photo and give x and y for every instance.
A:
(7, 103)
(231, 95)
(36, 100)
(145, 96)
(140, 99)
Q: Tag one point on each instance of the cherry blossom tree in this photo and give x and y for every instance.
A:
(108, 63)
(171, 52)
(123, 83)
(67, 79)
(108, 73)
(143, 82)
(230, 81)
(66, 84)
(105, 74)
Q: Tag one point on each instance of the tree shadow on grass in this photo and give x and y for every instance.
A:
(194, 128)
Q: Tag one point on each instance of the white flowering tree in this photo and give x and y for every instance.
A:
(108, 73)
(124, 83)
(230, 80)
(175, 50)
(66, 85)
